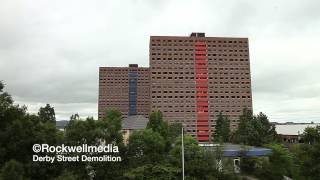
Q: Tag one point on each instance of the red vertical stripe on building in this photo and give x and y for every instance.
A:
(202, 97)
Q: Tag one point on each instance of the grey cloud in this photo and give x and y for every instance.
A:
(50, 51)
(281, 80)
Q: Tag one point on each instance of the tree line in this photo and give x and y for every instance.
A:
(151, 153)
(301, 161)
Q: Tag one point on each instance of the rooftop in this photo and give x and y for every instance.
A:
(197, 34)
(237, 150)
(293, 129)
(135, 122)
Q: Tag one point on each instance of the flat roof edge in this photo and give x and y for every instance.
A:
(121, 67)
(207, 37)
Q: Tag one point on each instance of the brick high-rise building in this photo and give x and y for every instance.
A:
(125, 89)
(193, 78)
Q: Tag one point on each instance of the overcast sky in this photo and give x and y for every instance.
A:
(50, 50)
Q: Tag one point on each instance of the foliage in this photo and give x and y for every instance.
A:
(307, 155)
(303, 162)
(12, 170)
(222, 129)
(75, 117)
(307, 160)
(145, 147)
(110, 129)
(19, 131)
(112, 123)
(157, 124)
(153, 172)
(199, 163)
(47, 114)
(5, 101)
(97, 132)
(191, 148)
(245, 132)
(254, 130)
(311, 135)
(265, 129)
(92, 131)
(79, 132)
(67, 176)
(278, 164)
(174, 131)
(152, 153)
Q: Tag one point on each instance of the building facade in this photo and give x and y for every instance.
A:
(191, 79)
(125, 89)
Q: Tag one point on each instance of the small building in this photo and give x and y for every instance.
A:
(237, 150)
(290, 132)
(131, 123)
(231, 154)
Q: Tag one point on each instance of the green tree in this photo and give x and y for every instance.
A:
(19, 131)
(311, 164)
(67, 176)
(254, 130)
(110, 129)
(279, 164)
(153, 172)
(97, 132)
(93, 132)
(7, 110)
(199, 163)
(146, 147)
(78, 132)
(6, 101)
(311, 135)
(222, 129)
(174, 131)
(157, 124)
(12, 170)
(75, 117)
(47, 114)
(266, 130)
(307, 155)
(113, 123)
(245, 132)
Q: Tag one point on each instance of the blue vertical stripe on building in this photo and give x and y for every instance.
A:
(133, 78)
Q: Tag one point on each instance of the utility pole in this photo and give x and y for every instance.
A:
(182, 152)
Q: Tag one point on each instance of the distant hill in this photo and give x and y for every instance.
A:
(61, 124)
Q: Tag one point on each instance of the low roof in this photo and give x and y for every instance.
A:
(293, 129)
(135, 122)
(237, 150)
